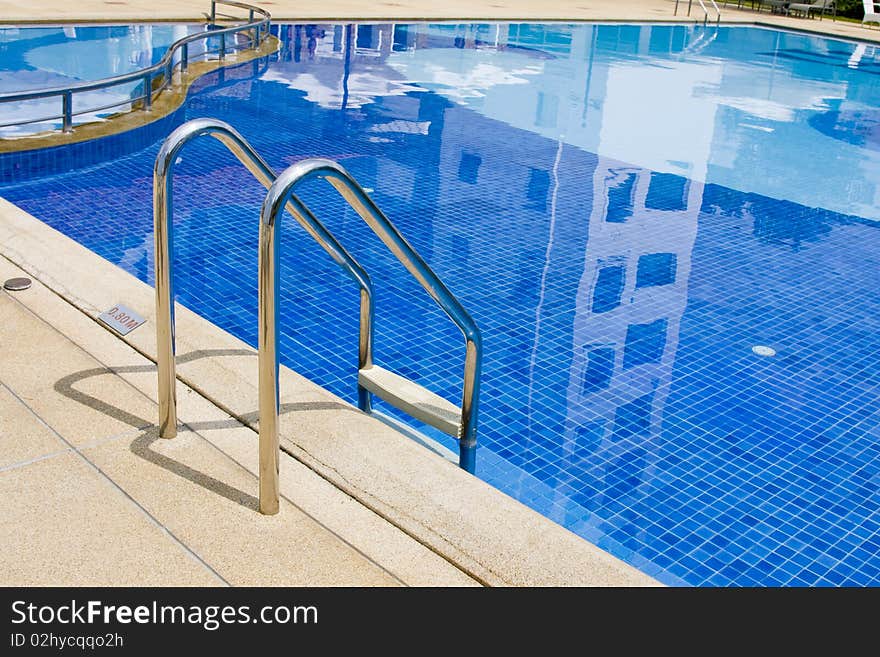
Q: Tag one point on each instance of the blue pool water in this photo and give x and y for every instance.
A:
(632, 214)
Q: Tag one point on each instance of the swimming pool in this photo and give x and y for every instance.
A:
(668, 237)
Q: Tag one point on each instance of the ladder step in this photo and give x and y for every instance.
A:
(412, 398)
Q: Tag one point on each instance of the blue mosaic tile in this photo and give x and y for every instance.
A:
(619, 303)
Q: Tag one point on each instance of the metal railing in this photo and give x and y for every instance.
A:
(705, 10)
(177, 56)
(280, 196)
(163, 236)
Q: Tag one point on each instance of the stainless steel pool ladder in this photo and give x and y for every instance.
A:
(705, 10)
(460, 422)
(702, 41)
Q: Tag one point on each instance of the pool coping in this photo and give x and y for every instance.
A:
(42, 12)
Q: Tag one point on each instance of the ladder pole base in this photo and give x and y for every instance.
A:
(365, 400)
(467, 456)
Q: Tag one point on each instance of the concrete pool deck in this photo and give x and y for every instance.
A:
(13, 11)
(93, 497)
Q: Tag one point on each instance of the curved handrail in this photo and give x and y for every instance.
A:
(705, 11)
(163, 235)
(277, 197)
(164, 66)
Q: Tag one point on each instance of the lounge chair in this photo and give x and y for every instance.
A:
(872, 12)
(811, 7)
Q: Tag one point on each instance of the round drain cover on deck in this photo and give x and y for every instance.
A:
(17, 284)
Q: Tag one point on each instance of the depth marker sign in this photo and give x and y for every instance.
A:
(121, 319)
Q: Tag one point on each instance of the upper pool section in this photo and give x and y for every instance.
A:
(783, 114)
(45, 57)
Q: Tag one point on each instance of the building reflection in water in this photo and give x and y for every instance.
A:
(631, 229)
(630, 302)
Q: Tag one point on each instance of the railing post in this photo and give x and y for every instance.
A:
(67, 111)
(223, 45)
(213, 12)
(365, 348)
(162, 236)
(467, 441)
(184, 57)
(268, 354)
(148, 92)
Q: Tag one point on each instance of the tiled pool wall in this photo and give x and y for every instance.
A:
(619, 306)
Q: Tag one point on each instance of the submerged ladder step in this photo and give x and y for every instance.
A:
(412, 398)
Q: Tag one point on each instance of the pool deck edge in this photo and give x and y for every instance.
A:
(97, 11)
